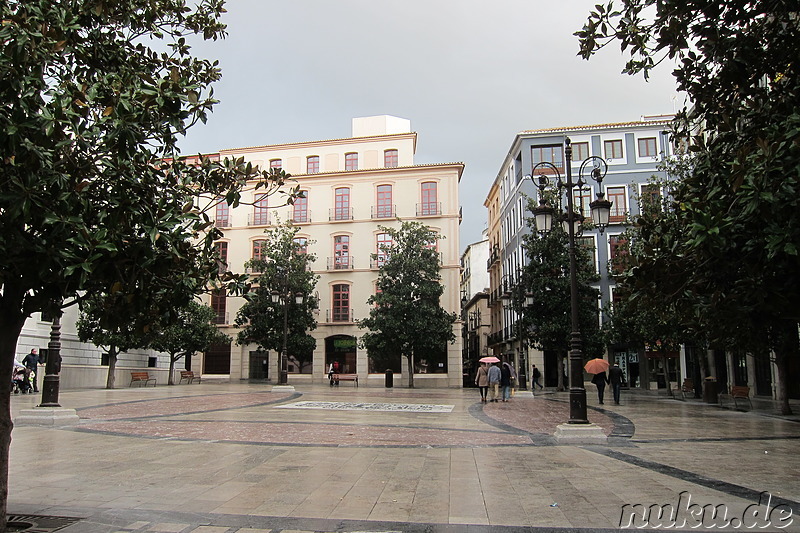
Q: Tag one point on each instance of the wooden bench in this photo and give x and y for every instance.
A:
(189, 376)
(687, 388)
(740, 392)
(346, 377)
(144, 377)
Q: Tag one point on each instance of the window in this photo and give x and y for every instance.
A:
(551, 154)
(300, 209)
(430, 204)
(587, 243)
(342, 204)
(647, 147)
(222, 254)
(341, 303)
(351, 161)
(218, 304)
(341, 252)
(390, 158)
(581, 199)
(222, 215)
(612, 149)
(312, 164)
(261, 215)
(382, 241)
(650, 198)
(275, 164)
(383, 209)
(302, 244)
(619, 203)
(259, 249)
(617, 250)
(580, 151)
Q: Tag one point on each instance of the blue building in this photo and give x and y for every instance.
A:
(634, 152)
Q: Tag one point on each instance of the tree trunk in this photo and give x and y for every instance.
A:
(112, 365)
(787, 346)
(410, 358)
(560, 369)
(10, 328)
(171, 378)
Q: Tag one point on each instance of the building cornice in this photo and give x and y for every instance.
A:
(327, 142)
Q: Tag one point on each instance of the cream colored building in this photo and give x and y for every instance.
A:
(352, 186)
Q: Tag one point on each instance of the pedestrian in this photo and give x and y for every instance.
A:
(600, 380)
(536, 376)
(616, 378)
(482, 381)
(335, 374)
(494, 375)
(505, 381)
(31, 362)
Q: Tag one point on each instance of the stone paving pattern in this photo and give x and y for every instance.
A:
(222, 458)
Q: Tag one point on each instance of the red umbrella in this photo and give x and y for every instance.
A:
(595, 366)
(489, 359)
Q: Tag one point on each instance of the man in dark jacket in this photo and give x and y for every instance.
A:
(31, 362)
(616, 378)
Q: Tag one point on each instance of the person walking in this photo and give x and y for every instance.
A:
(505, 381)
(31, 362)
(616, 378)
(494, 375)
(535, 377)
(482, 381)
(600, 380)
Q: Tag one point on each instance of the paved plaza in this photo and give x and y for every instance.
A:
(241, 458)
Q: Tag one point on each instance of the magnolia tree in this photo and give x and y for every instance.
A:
(406, 317)
(94, 198)
(728, 244)
(284, 265)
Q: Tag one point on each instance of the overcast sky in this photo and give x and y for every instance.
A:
(468, 74)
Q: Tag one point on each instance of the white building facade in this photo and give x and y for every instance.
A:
(352, 186)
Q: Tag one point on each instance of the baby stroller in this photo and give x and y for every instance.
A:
(20, 380)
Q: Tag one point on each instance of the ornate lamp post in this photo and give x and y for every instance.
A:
(571, 220)
(285, 298)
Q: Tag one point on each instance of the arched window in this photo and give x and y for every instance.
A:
(341, 303)
(390, 158)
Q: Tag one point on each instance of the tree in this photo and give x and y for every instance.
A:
(406, 318)
(122, 338)
(193, 331)
(284, 266)
(735, 227)
(547, 323)
(94, 197)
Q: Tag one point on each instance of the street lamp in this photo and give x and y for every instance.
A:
(571, 220)
(285, 298)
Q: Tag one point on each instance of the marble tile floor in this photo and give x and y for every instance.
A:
(227, 458)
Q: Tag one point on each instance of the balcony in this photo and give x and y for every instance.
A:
(429, 209)
(222, 317)
(259, 218)
(338, 214)
(383, 211)
(340, 263)
(339, 315)
(377, 262)
(223, 222)
(302, 217)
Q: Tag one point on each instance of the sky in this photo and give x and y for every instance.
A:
(468, 74)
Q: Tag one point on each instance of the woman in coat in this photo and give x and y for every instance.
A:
(482, 381)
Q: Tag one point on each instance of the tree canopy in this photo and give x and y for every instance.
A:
(94, 196)
(730, 246)
(407, 317)
(284, 265)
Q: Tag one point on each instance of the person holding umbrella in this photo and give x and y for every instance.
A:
(598, 367)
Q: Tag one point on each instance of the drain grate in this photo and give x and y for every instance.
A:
(30, 523)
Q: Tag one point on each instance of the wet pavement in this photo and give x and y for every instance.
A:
(239, 458)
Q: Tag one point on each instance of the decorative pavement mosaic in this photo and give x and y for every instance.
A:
(361, 406)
